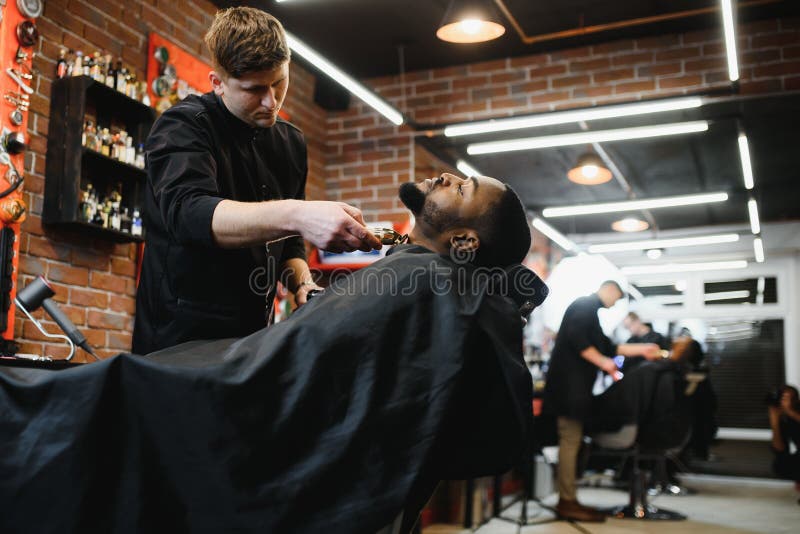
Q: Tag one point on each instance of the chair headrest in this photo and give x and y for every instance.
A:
(525, 288)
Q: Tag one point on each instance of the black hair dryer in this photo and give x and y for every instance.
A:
(39, 293)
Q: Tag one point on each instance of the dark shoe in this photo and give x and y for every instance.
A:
(574, 511)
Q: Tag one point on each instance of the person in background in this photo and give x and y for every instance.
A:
(784, 420)
(641, 332)
(581, 349)
(225, 207)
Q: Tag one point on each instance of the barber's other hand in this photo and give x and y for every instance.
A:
(301, 293)
(336, 227)
(651, 351)
(609, 366)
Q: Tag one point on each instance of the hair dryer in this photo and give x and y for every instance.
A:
(38, 293)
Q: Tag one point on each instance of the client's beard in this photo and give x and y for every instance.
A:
(416, 201)
(412, 197)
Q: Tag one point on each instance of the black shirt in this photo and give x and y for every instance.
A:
(198, 153)
(570, 376)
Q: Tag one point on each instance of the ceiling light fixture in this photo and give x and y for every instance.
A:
(730, 40)
(581, 138)
(566, 117)
(727, 295)
(634, 205)
(470, 21)
(654, 253)
(752, 209)
(747, 167)
(554, 235)
(630, 224)
(590, 170)
(370, 98)
(664, 243)
(758, 250)
(684, 267)
(467, 169)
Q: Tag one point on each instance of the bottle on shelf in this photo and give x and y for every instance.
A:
(61, 64)
(122, 74)
(125, 221)
(111, 73)
(105, 139)
(77, 65)
(88, 65)
(139, 161)
(136, 223)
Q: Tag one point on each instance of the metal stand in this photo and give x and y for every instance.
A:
(45, 333)
(638, 507)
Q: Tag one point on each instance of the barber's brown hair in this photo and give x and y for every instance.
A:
(245, 39)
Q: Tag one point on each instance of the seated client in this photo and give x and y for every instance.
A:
(341, 419)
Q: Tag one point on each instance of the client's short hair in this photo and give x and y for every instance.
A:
(504, 232)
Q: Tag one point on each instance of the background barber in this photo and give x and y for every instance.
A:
(581, 348)
(225, 177)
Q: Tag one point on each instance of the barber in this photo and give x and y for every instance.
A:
(581, 348)
(224, 206)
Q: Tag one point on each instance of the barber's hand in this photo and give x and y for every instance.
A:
(610, 367)
(301, 293)
(336, 227)
(651, 351)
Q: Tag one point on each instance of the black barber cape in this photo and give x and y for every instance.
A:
(334, 421)
(198, 154)
(570, 377)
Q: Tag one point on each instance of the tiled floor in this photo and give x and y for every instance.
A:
(722, 505)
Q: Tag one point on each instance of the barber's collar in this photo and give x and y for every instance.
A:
(242, 131)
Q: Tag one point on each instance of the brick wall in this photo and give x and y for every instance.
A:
(621, 71)
(94, 279)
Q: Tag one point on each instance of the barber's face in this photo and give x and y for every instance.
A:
(443, 202)
(255, 97)
(609, 295)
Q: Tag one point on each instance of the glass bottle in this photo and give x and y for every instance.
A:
(111, 73)
(136, 223)
(88, 64)
(122, 74)
(106, 143)
(61, 64)
(140, 162)
(125, 221)
(77, 65)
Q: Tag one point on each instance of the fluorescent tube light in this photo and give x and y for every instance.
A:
(664, 243)
(758, 250)
(730, 40)
(747, 167)
(752, 209)
(684, 267)
(467, 169)
(554, 235)
(370, 98)
(584, 138)
(566, 117)
(634, 205)
(727, 295)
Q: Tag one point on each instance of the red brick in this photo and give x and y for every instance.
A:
(451, 97)
(89, 259)
(635, 58)
(431, 87)
(61, 352)
(122, 303)
(678, 53)
(613, 75)
(775, 39)
(418, 101)
(31, 265)
(590, 65)
(662, 69)
(62, 292)
(76, 314)
(507, 77)
(489, 93)
(88, 298)
(713, 78)
(488, 66)
(591, 92)
(96, 338)
(570, 81)
(791, 84)
(784, 68)
(377, 155)
(30, 332)
(374, 205)
(701, 65)
(33, 224)
(525, 61)
(62, 17)
(381, 131)
(377, 180)
(571, 53)
(469, 108)
(791, 52)
(357, 194)
(393, 166)
(120, 340)
(529, 87)
(680, 81)
(357, 123)
(110, 321)
(68, 274)
(108, 282)
(614, 46)
(761, 26)
(549, 70)
(549, 97)
(30, 348)
(451, 72)
(45, 248)
(472, 81)
(87, 13)
(509, 103)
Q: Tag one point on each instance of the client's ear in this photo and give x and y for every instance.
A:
(465, 240)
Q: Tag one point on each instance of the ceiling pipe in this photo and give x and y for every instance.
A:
(598, 28)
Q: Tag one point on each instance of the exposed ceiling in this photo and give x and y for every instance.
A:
(365, 38)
